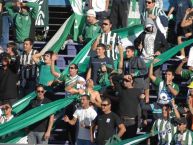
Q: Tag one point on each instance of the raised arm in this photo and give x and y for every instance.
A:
(34, 8)
(151, 76)
(36, 57)
(179, 68)
(71, 122)
(177, 114)
(120, 47)
(53, 71)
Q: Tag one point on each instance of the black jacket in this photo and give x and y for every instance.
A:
(160, 43)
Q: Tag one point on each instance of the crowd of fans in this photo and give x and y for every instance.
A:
(121, 105)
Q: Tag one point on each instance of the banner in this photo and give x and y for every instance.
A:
(43, 14)
(34, 115)
(58, 40)
(135, 140)
(78, 8)
(170, 53)
(23, 103)
(134, 13)
(127, 34)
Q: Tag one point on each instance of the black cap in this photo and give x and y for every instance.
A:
(181, 120)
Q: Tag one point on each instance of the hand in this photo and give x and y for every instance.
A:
(81, 39)
(18, 4)
(50, 83)
(81, 91)
(153, 17)
(142, 96)
(66, 119)
(155, 60)
(157, 53)
(173, 102)
(127, 77)
(188, 11)
(47, 135)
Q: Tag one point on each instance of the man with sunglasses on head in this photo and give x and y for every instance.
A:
(106, 124)
(113, 43)
(39, 132)
(128, 99)
(157, 15)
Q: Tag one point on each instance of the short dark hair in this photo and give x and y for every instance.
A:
(170, 70)
(39, 85)
(102, 45)
(108, 19)
(85, 95)
(30, 40)
(49, 52)
(13, 46)
(132, 48)
(75, 65)
(106, 99)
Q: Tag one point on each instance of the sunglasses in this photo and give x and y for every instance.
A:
(72, 68)
(105, 24)
(6, 107)
(147, 2)
(40, 91)
(104, 105)
(125, 80)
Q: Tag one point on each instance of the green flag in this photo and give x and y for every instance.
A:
(43, 14)
(78, 8)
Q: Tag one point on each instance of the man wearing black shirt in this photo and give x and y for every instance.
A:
(128, 103)
(107, 124)
(40, 131)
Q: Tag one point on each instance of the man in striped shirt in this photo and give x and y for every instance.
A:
(112, 42)
(156, 14)
(183, 136)
(165, 125)
(28, 68)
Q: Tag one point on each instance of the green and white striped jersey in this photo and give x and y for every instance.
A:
(183, 139)
(165, 129)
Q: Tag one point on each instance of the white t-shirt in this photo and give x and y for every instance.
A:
(85, 117)
(3, 119)
(99, 5)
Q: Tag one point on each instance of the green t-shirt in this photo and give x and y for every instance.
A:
(187, 74)
(90, 31)
(163, 91)
(45, 75)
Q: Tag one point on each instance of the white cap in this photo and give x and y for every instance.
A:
(91, 12)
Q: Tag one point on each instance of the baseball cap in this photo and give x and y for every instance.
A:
(91, 12)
